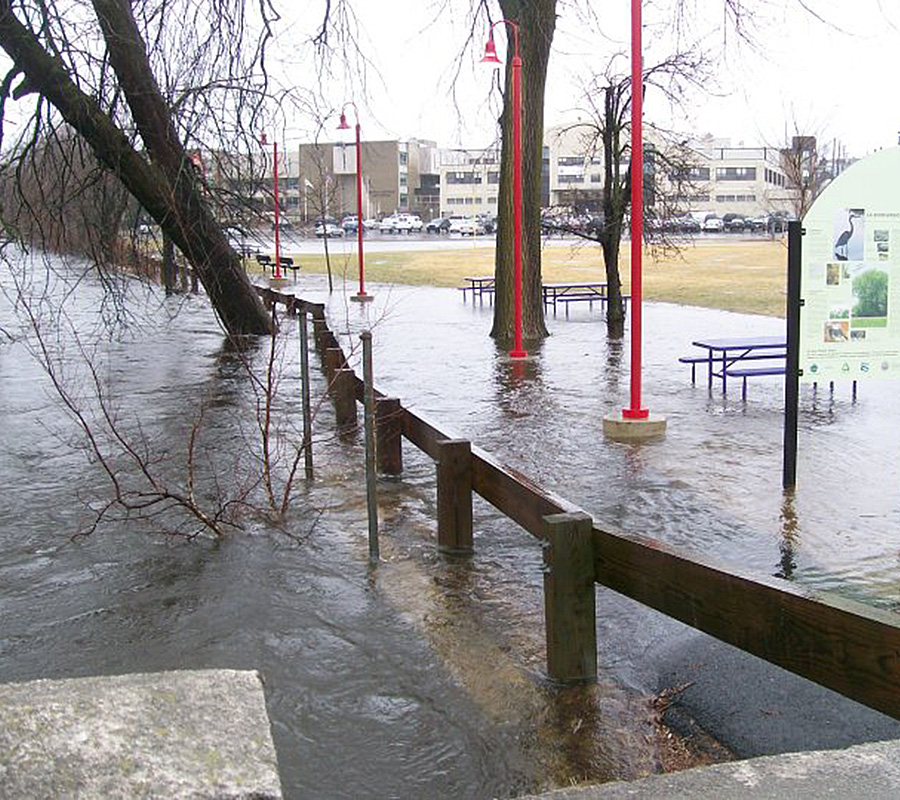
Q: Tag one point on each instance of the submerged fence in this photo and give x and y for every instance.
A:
(839, 643)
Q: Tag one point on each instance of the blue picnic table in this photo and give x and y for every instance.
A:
(727, 358)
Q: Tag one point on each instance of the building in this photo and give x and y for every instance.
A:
(396, 177)
(469, 182)
(706, 175)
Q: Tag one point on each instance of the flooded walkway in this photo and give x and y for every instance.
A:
(424, 677)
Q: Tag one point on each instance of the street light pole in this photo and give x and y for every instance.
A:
(264, 141)
(635, 423)
(490, 57)
(360, 296)
(634, 411)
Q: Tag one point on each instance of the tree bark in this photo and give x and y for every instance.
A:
(537, 20)
(165, 185)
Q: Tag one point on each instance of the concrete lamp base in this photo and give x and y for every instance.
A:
(278, 281)
(619, 429)
(360, 298)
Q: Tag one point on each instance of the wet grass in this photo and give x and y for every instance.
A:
(741, 275)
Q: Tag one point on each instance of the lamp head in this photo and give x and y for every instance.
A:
(343, 126)
(490, 52)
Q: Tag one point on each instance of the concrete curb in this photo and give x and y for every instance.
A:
(200, 734)
(870, 771)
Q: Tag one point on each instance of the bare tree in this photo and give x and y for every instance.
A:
(111, 97)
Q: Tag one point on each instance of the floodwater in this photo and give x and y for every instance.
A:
(422, 677)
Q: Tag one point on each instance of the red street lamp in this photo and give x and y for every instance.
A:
(634, 411)
(360, 296)
(264, 141)
(490, 57)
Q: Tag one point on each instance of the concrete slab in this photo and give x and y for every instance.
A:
(199, 734)
(870, 771)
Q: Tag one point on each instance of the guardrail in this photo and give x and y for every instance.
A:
(844, 645)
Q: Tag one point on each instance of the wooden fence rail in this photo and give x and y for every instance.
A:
(846, 646)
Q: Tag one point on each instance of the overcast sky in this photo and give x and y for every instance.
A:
(834, 78)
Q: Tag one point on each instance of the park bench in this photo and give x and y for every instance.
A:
(694, 360)
(750, 372)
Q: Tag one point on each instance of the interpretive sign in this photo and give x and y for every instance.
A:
(850, 322)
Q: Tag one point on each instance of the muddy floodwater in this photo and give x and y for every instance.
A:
(423, 677)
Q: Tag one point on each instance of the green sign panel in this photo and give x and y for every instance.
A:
(850, 322)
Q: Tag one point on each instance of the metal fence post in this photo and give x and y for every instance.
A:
(369, 417)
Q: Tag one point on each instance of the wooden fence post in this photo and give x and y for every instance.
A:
(454, 495)
(388, 436)
(569, 598)
(332, 361)
(344, 395)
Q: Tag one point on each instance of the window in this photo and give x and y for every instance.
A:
(403, 180)
(736, 174)
(570, 178)
(493, 177)
(492, 201)
(569, 161)
(690, 174)
(455, 201)
(596, 178)
(725, 198)
(463, 177)
(404, 158)
(470, 201)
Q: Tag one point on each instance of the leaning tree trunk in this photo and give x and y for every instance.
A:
(537, 19)
(166, 185)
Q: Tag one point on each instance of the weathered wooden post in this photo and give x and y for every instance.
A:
(321, 334)
(332, 361)
(388, 435)
(454, 495)
(569, 598)
(343, 386)
(369, 417)
(305, 392)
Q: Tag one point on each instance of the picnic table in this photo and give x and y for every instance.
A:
(728, 358)
(566, 292)
(478, 285)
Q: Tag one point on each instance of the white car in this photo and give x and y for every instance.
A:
(469, 226)
(388, 225)
(713, 225)
(329, 229)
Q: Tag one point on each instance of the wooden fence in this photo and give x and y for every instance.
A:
(849, 647)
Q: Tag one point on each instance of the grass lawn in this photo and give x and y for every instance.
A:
(732, 274)
(869, 322)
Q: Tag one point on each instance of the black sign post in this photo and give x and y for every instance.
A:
(792, 370)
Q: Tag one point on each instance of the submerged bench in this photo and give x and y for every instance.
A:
(694, 360)
(751, 372)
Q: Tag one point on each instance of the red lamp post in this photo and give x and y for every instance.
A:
(490, 57)
(264, 141)
(634, 411)
(360, 296)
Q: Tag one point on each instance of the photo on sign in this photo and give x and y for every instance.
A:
(837, 332)
(870, 297)
(839, 312)
(833, 274)
(857, 336)
(849, 234)
(883, 247)
(882, 236)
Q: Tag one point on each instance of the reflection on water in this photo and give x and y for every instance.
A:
(423, 677)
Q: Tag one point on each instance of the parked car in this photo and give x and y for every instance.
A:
(350, 224)
(734, 223)
(439, 225)
(713, 224)
(388, 224)
(757, 224)
(329, 229)
(468, 226)
(688, 224)
(371, 224)
(408, 223)
(488, 222)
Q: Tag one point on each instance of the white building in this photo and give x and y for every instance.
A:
(469, 181)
